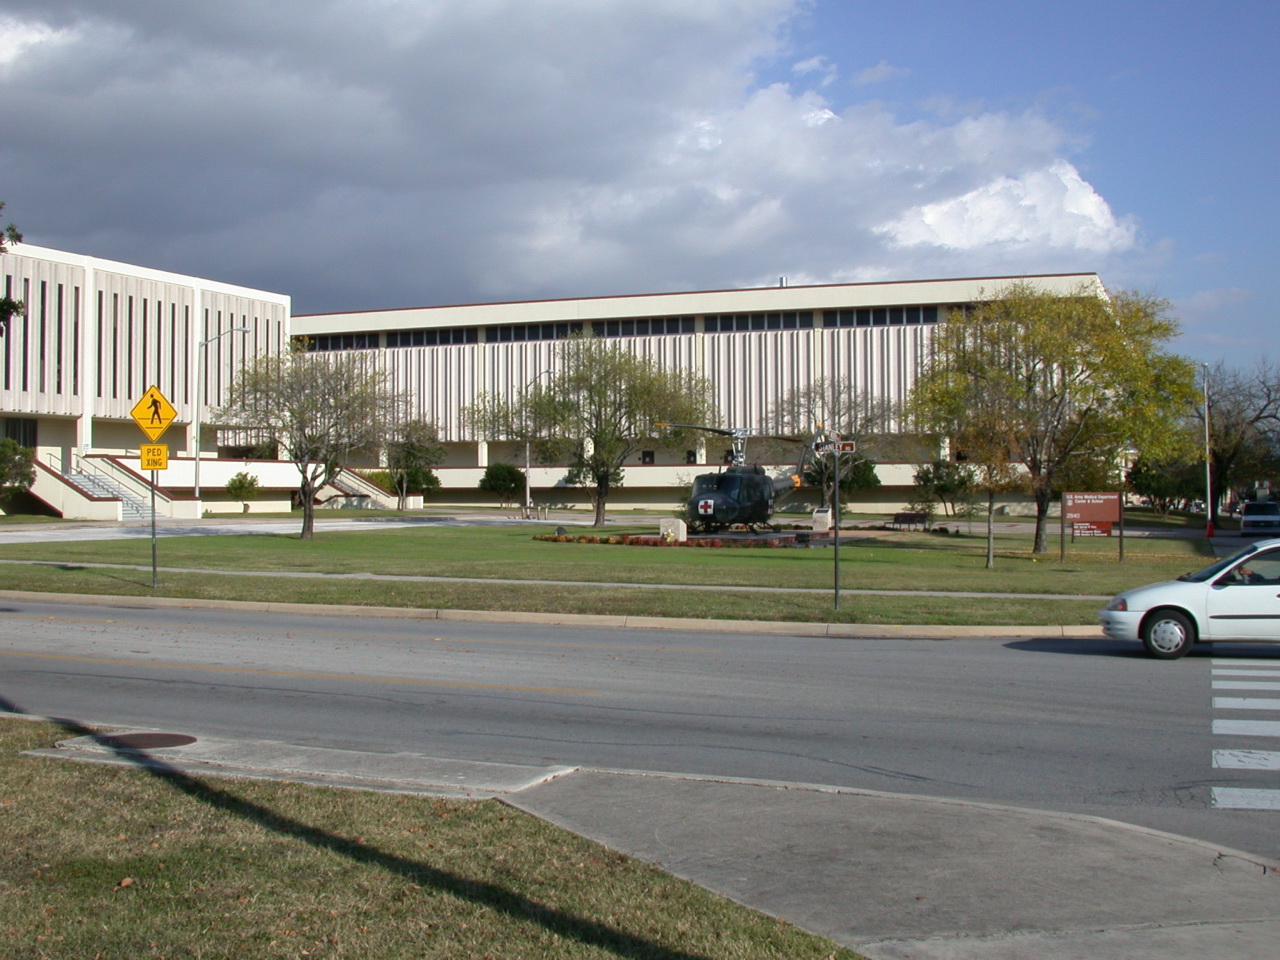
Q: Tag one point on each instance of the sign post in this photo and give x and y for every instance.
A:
(1091, 515)
(153, 414)
(835, 448)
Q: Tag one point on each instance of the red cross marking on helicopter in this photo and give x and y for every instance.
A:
(706, 506)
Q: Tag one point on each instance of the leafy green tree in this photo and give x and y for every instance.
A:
(242, 488)
(504, 479)
(946, 482)
(1166, 483)
(1059, 378)
(9, 307)
(318, 409)
(17, 467)
(857, 474)
(598, 407)
(411, 456)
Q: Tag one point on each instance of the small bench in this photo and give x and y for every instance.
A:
(908, 520)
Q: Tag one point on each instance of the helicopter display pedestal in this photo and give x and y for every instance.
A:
(673, 529)
(822, 520)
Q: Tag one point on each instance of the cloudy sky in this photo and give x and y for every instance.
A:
(387, 153)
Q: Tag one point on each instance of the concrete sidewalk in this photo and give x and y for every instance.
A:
(892, 876)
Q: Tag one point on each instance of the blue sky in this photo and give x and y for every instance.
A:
(381, 153)
(1173, 110)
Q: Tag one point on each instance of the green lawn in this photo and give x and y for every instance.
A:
(119, 862)
(891, 561)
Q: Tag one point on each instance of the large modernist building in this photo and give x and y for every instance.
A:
(96, 334)
(754, 346)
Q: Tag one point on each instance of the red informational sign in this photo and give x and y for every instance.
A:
(1083, 528)
(1080, 508)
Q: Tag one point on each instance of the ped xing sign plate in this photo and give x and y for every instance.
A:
(153, 413)
(155, 456)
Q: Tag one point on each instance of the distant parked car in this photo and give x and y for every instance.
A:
(1237, 598)
(1260, 518)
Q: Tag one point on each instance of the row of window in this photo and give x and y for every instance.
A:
(636, 327)
(879, 316)
(432, 338)
(788, 320)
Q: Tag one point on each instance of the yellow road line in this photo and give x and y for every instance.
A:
(288, 673)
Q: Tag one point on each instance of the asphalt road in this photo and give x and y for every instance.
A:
(1084, 726)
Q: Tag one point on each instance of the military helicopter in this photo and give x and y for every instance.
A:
(742, 493)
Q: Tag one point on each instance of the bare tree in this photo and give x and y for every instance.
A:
(841, 412)
(1244, 426)
(318, 408)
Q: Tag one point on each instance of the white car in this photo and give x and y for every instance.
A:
(1234, 599)
(1260, 517)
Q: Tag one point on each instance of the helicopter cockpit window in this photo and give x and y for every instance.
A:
(705, 483)
(727, 483)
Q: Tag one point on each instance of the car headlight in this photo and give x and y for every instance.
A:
(1119, 604)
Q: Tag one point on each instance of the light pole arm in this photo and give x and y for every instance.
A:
(200, 378)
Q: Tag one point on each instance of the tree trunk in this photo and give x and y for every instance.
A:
(1044, 497)
(602, 497)
(308, 496)
(991, 529)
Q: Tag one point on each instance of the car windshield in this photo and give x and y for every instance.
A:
(1262, 509)
(1211, 571)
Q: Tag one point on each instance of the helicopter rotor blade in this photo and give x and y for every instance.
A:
(694, 426)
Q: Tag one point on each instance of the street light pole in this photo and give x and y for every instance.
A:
(1208, 473)
(200, 394)
(528, 489)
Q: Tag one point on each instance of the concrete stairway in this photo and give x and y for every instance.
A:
(131, 507)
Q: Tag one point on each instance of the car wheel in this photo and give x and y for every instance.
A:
(1167, 634)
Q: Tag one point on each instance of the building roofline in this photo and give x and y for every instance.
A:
(694, 293)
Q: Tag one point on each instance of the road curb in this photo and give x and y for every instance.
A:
(778, 628)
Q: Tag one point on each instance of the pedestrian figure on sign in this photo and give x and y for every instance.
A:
(156, 416)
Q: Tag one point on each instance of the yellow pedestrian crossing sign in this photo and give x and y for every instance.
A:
(154, 456)
(153, 413)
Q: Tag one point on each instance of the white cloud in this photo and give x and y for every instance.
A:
(880, 73)
(17, 37)
(1050, 207)
(368, 153)
(818, 65)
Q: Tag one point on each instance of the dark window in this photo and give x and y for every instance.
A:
(646, 456)
(21, 431)
(691, 456)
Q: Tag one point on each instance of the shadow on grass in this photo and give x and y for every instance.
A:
(492, 896)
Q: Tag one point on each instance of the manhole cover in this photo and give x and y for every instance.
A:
(144, 741)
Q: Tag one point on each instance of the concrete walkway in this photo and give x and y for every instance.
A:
(892, 876)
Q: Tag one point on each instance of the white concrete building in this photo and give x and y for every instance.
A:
(97, 333)
(753, 345)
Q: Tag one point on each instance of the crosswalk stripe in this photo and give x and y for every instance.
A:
(1248, 728)
(1246, 685)
(1246, 703)
(1246, 673)
(1218, 662)
(1246, 759)
(1243, 798)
